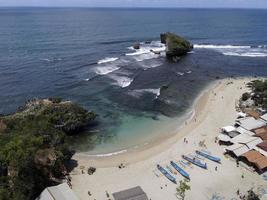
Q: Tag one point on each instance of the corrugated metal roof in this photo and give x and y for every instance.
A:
(245, 131)
(228, 128)
(261, 151)
(263, 145)
(254, 142)
(241, 150)
(256, 158)
(249, 123)
(237, 149)
(263, 136)
(59, 192)
(264, 117)
(135, 193)
(224, 138)
(243, 138)
(260, 130)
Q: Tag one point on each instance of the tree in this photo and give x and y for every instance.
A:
(34, 152)
(183, 187)
(245, 96)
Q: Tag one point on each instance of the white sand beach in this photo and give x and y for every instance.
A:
(214, 109)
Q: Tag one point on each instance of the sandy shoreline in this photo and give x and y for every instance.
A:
(211, 112)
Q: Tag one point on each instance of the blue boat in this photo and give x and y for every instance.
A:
(180, 170)
(195, 162)
(210, 157)
(165, 173)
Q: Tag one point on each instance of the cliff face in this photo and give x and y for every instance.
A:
(176, 46)
(33, 152)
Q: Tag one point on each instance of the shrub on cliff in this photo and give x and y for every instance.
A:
(245, 96)
(259, 92)
(33, 152)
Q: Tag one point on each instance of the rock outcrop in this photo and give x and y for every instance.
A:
(176, 46)
(136, 46)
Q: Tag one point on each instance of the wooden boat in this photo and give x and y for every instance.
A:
(166, 174)
(195, 162)
(208, 156)
(180, 170)
(170, 170)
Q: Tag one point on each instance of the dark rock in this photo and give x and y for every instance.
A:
(164, 87)
(136, 46)
(91, 170)
(176, 46)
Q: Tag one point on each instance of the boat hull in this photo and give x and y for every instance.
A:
(212, 158)
(166, 174)
(195, 162)
(180, 170)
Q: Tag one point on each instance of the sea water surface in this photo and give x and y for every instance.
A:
(86, 55)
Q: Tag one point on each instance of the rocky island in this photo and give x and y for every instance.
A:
(33, 152)
(176, 46)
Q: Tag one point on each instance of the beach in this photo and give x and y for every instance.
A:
(214, 108)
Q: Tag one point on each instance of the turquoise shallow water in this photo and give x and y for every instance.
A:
(85, 55)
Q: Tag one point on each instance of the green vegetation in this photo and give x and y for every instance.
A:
(183, 187)
(176, 45)
(33, 152)
(259, 93)
(245, 96)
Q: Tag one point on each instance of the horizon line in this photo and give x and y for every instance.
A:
(136, 7)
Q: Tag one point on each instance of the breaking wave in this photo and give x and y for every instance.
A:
(139, 92)
(235, 50)
(152, 50)
(211, 46)
(122, 81)
(109, 154)
(106, 70)
(107, 60)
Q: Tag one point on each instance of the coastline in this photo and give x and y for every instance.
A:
(211, 112)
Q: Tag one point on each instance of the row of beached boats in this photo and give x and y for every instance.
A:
(195, 160)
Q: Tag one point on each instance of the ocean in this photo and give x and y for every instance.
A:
(85, 55)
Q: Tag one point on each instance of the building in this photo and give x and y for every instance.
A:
(250, 123)
(256, 159)
(135, 193)
(59, 192)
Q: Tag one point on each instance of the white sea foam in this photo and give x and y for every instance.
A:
(210, 46)
(147, 56)
(106, 70)
(180, 73)
(235, 50)
(109, 154)
(122, 81)
(139, 92)
(246, 54)
(107, 60)
(51, 60)
(147, 51)
(150, 65)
